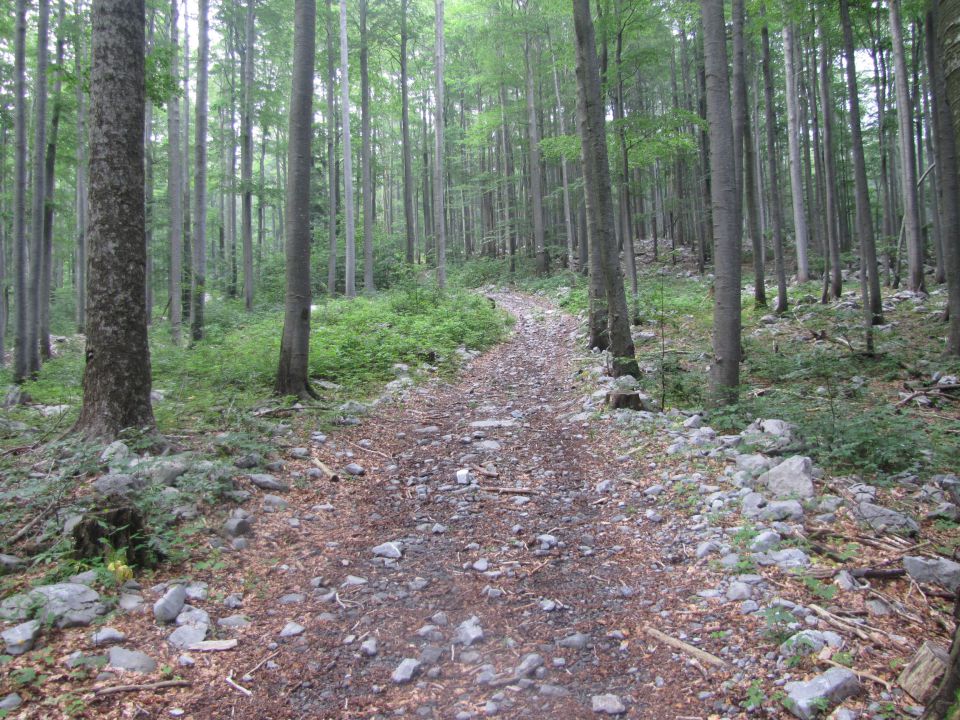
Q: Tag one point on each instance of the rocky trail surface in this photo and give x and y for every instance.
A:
(494, 545)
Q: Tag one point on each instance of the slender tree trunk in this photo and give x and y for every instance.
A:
(175, 189)
(510, 202)
(599, 196)
(793, 142)
(830, 181)
(365, 154)
(21, 363)
(116, 379)
(564, 170)
(351, 262)
(4, 240)
(908, 156)
(246, 155)
(945, 86)
(46, 270)
(536, 181)
(185, 176)
(408, 211)
(37, 190)
(81, 189)
(198, 285)
(148, 175)
(626, 227)
(331, 85)
(293, 372)
(725, 368)
(776, 206)
(439, 204)
(870, 283)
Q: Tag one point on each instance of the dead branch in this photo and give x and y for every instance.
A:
(694, 652)
(139, 688)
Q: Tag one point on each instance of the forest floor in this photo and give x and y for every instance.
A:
(495, 544)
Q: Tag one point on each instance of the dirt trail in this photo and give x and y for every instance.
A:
(560, 579)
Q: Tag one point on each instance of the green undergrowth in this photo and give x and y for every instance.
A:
(808, 369)
(354, 344)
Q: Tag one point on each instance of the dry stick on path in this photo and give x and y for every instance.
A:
(690, 650)
(139, 688)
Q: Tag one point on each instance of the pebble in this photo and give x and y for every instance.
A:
(166, 609)
(607, 705)
(405, 671)
(292, 629)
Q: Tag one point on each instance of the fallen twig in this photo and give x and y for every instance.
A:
(261, 663)
(507, 491)
(37, 518)
(241, 688)
(369, 450)
(697, 653)
(860, 673)
(146, 686)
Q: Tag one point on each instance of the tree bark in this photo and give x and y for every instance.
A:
(536, 180)
(725, 368)
(351, 260)
(793, 142)
(599, 196)
(832, 282)
(776, 207)
(408, 211)
(365, 153)
(21, 363)
(81, 188)
(174, 189)
(564, 170)
(439, 205)
(293, 372)
(198, 284)
(332, 184)
(246, 155)
(116, 379)
(908, 156)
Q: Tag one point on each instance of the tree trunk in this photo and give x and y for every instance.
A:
(246, 155)
(116, 379)
(21, 364)
(725, 368)
(174, 189)
(830, 181)
(599, 196)
(81, 189)
(365, 154)
(293, 372)
(438, 165)
(793, 143)
(331, 84)
(351, 261)
(187, 300)
(870, 283)
(536, 181)
(408, 211)
(908, 156)
(945, 93)
(198, 285)
(776, 206)
(564, 171)
(37, 191)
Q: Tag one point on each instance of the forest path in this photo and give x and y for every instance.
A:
(559, 578)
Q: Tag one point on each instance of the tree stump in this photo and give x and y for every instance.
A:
(116, 525)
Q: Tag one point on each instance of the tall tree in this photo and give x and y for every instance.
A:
(116, 379)
(366, 160)
(793, 144)
(536, 181)
(246, 153)
(198, 282)
(725, 367)
(351, 259)
(408, 211)
(332, 184)
(38, 188)
(21, 361)
(293, 372)
(773, 171)
(439, 207)
(81, 161)
(908, 155)
(870, 280)
(599, 195)
(564, 170)
(832, 280)
(174, 186)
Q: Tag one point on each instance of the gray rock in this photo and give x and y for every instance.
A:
(576, 641)
(937, 571)
(355, 470)
(782, 510)
(9, 564)
(232, 622)
(882, 519)
(755, 463)
(369, 647)
(607, 705)
(63, 604)
(193, 616)
(117, 485)
(792, 478)
(292, 629)
(114, 452)
(275, 503)
(268, 482)
(943, 511)
(20, 639)
(392, 550)
(186, 635)
(237, 527)
(107, 636)
(738, 591)
(805, 642)
(766, 540)
(790, 558)
(353, 407)
(492, 424)
(405, 671)
(11, 702)
(468, 632)
(130, 602)
(166, 609)
(806, 699)
(528, 665)
(131, 660)
(165, 471)
(87, 578)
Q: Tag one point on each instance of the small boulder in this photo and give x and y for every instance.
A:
(607, 705)
(792, 478)
(808, 699)
(166, 609)
(131, 660)
(268, 482)
(936, 571)
(20, 639)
